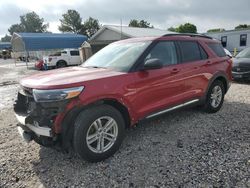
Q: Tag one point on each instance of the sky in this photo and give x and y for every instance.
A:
(161, 14)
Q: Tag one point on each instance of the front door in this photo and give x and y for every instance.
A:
(159, 88)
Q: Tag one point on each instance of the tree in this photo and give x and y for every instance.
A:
(242, 26)
(30, 23)
(90, 26)
(186, 28)
(215, 30)
(33, 23)
(6, 38)
(18, 28)
(71, 22)
(140, 23)
(172, 29)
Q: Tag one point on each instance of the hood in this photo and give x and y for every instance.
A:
(241, 62)
(66, 77)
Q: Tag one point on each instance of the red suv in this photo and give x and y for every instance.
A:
(89, 107)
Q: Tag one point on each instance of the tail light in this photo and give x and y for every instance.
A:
(50, 58)
(230, 61)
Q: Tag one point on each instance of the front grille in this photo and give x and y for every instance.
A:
(24, 101)
(241, 69)
(22, 104)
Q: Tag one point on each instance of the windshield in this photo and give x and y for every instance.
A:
(244, 54)
(118, 56)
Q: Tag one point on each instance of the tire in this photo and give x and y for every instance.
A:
(61, 64)
(87, 122)
(217, 89)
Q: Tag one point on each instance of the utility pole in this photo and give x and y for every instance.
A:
(121, 29)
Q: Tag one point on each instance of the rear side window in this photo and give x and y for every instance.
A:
(74, 53)
(203, 53)
(217, 49)
(191, 51)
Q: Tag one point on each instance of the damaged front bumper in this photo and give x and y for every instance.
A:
(36, 120)
(40, 131)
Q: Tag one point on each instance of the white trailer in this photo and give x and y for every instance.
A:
(233, 39)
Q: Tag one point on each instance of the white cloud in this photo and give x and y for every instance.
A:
(160, 13)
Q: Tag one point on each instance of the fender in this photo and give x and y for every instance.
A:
(217, 75)
(64, 121)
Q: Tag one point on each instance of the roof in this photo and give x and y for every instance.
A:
(229, 31)
(131, 32)
(4, 45)
(45, 41)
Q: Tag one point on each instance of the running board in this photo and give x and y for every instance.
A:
(172, 108)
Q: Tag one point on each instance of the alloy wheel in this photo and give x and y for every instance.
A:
(102, 134)
(216, 96)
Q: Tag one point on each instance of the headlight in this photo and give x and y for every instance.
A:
(56, 94)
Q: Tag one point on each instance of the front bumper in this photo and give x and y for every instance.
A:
(36, 120)
(241, 75)
(35, 128)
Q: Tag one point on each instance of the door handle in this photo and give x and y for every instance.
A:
(209, 63)
(175, 70)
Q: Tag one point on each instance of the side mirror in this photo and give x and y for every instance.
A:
(152, 64)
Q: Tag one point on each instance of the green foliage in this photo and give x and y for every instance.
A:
(172, 29)
(33, 23)
(6, 38)
(140, 23)
(186, 28)
(242, 26)
(30, 23)
(71, 22)
(90, 26)
(215, 30)
(18, 28)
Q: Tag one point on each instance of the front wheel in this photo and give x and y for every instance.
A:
(215, 97)
(61, 64)
(98, 133)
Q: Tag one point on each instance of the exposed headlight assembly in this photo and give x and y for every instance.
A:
(56, 94)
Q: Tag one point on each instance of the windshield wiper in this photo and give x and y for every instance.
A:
(95, 67)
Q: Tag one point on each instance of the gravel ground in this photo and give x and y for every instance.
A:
(10, 75)
(188, 148)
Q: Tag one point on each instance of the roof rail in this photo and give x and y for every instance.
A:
(187, 34)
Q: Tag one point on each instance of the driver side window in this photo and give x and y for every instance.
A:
(165, 51)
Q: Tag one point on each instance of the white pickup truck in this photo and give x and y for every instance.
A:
(64, 58)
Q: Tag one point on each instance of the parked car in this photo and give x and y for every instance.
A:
(89, 106)
(64, 58)
(241, 65)
(6, 54)
(39, 64)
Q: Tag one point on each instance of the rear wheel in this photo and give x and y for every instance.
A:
(215, 97)
(61, 64)
(99, 132)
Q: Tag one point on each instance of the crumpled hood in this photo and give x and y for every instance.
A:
(66, 77)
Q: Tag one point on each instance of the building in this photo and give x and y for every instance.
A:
(108, 34)
(5, 45)
(36, 45)
(233, 39)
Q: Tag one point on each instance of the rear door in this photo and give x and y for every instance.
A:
(74, 57)
(160, 88)
(193, 62)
